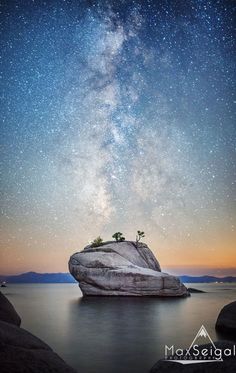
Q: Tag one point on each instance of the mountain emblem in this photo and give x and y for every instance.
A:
(202, 337)
(201, 350)
(198, 352)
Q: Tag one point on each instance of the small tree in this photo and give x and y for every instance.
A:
(118, 236)
(97, 242)
(139, 235)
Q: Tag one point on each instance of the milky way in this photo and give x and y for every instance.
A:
(118, 116)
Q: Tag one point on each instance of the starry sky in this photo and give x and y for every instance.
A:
(118, 116)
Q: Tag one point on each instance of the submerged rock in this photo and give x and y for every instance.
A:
(226, 321)
(193, 290)
(8, 312)
(123, 269)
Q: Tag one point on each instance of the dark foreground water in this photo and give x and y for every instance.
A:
(112, 335)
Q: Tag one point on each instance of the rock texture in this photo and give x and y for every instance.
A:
(226, 322)
(227, 365)
(8, 312)
(123, 269)
(22, 352)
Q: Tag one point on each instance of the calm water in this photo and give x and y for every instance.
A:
(112, 335)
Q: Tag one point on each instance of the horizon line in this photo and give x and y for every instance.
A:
(56, 273)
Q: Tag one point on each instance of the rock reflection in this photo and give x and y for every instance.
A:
(117, 334)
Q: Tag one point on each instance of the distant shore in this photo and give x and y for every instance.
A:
(54, 278)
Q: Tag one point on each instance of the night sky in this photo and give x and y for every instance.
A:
(117, 117)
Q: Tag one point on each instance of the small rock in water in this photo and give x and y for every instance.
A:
(193, 290)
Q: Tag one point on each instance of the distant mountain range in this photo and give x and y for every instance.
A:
(206, 279)
(33, 277)
(47, 278)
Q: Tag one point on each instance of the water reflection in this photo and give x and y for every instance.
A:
(121, 334)
(99, 334)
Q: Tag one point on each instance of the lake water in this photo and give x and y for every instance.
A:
(112, 335)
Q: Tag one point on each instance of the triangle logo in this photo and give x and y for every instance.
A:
(202, 337)
(202, 349)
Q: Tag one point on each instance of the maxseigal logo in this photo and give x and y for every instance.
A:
(201, 350)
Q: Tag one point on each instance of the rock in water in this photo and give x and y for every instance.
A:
(122, 268)
(22, 352)
(193, 290)
(226, 321)
(8, 312)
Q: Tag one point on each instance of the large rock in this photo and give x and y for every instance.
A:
(228, 365)
(122, 268)
(22, 352)
(8, 312)
(226, 321)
